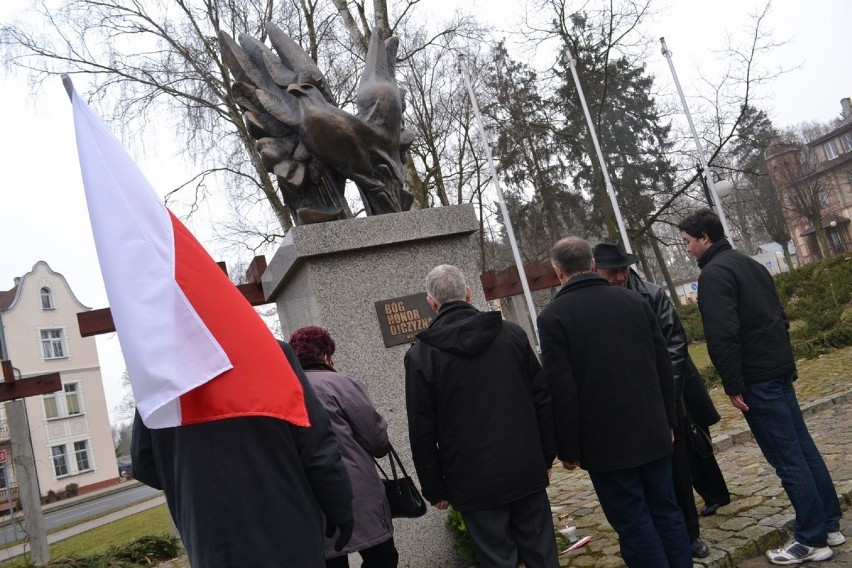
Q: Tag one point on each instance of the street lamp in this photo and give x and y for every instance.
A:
(724, 188)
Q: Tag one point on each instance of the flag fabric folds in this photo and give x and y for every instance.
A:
(195, 349)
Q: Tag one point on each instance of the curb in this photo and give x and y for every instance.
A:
(722, 442)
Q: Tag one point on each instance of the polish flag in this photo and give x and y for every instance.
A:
(195, 349)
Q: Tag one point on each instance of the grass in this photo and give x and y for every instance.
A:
(698, 352)
(154, 521)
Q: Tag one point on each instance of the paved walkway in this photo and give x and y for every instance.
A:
(18, 549)
(742, 531)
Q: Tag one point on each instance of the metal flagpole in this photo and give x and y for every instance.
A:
(709, 178)
(609, 189)
(485, 142)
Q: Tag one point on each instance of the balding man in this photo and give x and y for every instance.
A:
(611, 380)
(480, 426)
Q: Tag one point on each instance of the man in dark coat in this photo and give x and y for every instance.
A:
(748, 341)
(613, 263)
(610, 376)
(247, 492)
(480, 426)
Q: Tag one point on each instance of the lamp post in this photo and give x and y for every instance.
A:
(723, 186)
(705, 179)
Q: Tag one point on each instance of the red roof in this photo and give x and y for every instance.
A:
(6, 298)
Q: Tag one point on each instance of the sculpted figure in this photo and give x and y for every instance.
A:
(307, 141)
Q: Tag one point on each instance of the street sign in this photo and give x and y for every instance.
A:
(2, 456)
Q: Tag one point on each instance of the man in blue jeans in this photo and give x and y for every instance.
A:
(748, 340)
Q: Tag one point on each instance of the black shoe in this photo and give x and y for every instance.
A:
(700, 549)
(711, 508)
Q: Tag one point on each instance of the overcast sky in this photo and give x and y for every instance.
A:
(42, 206)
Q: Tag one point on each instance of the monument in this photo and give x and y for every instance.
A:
(360, 278)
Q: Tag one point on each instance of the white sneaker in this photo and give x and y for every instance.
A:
(796, 553)
(836, 538)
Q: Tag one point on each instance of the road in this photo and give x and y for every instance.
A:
(82, 511)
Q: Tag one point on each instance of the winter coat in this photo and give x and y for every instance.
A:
(479, 417)
(362, 434)
(745, 326)
(610, 376)
(690, 390)
(247, 492)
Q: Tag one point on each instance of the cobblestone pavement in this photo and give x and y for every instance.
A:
(740, 532)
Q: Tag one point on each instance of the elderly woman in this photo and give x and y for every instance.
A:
(362, 434)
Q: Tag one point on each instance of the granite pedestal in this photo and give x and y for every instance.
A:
(332, 274)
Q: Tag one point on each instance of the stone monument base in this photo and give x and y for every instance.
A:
(333, 274)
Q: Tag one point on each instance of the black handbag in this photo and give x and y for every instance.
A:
(404, 498)
(698, 438)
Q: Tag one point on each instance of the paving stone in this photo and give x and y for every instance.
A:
(754, 521)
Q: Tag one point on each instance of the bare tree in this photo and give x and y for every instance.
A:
(804, 193)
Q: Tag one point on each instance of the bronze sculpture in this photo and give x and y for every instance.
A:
(307, 141)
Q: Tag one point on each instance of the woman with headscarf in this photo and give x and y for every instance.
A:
(362, 434)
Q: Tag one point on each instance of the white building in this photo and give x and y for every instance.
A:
(70, 429)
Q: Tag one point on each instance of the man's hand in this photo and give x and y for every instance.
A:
(738, 402)
(672, 433)
(442, 505)
(549, 473)
(345, 532)
(570, 465)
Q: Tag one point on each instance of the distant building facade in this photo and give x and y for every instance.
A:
(832, 174)
(70, 429)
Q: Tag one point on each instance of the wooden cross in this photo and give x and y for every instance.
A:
(96, 322)
(22, 388)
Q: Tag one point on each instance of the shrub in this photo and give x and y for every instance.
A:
(690, 317)
(51, 496)
(145, 551)
(71, 489)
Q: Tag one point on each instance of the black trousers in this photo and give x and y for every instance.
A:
(683, 481)
(640, 505)
(707, 478)
(520, 531)
(382, 555)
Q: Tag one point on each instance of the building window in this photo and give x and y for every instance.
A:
(46, 299)
(72, 398)
(846, 142)
(81, 453)
(52, 344)
(830, 150)
(60, 465)
(4, 483)
(50, 408)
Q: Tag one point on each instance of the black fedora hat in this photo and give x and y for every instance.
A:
(611, 254)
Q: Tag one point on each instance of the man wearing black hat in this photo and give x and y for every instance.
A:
(613, 263)
(611, 383)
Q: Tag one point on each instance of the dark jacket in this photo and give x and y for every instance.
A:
(744, 323)
(479, 417)
(362, 434)
(690, 390)
(247, 492)
(610, 376)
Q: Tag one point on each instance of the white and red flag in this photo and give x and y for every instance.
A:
(195, 349)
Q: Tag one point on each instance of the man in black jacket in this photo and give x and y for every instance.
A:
(251, 491)
(611, 380)
(480, 426)
(747, 337)
(613, 263)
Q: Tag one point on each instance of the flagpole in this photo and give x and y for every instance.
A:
(711, 183)
(505, 212)
(609, 189)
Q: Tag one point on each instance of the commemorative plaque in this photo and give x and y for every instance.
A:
(400, 319)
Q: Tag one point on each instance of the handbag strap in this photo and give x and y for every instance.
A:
(392, 457)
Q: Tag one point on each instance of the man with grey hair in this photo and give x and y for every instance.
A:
(480, 426)
(611, 380)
